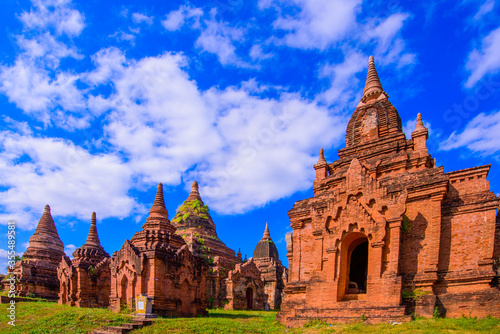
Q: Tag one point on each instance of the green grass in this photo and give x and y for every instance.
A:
(263, 322)
(42, 317)
(46, 317)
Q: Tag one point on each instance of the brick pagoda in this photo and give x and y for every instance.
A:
(225, 288)
(85, 280)
(37, 272)
(266, 258)
(388, 232)
(157, 262)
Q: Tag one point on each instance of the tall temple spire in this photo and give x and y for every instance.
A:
(266, 248)
(267, 235)
(420, 124)
(321, 159)
(46, 223)
(373, 87)
(93, 238)
(45, 238)
(195, 194)
(91, 251)
(158, 209)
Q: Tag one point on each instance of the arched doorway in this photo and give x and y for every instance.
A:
(353, 267)
(358, 268)
(64, 297)
(249, 295)
(124, 288)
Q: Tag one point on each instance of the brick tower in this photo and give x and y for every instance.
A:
(266, 258)
(84, 281)
(157, 262)
(195, 225)
(37, 272)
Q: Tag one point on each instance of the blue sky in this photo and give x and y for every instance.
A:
(102, 100)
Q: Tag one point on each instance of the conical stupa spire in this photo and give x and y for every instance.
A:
(321, 159)
(373, 87)
(195, 194)
(46, 223)
(46, 238)
(420, 124)
(93, 238)
(158, 207)
(267, 235)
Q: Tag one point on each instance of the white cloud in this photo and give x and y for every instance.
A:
(256, 53)
(390, 47)
(480, 135)
(176, 18)
(485, 8)
(109, 63)
(139, 18)
(242, 149)
(34, 82)
(318, 23)
(36, 93)
(69, 249)
(56, 14)
(264, 159)
(321, 24)
(124, 36)
(219, 38)
(344, 84)
(46, 50)
(484, 60)
(37, 171)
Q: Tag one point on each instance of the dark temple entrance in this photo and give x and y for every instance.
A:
(358, 268)
(249, 298)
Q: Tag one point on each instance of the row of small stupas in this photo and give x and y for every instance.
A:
(388, 232)
(181, 264)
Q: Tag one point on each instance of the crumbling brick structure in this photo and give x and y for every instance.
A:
(85, 280)
(157, 262)
(37, 271)
(224, 283)
(388, 232)
(243, 288)
(272, 272)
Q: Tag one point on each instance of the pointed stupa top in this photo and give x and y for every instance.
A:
(91, 251)
(373, 87)
(267, 235)
(265, 247)
(93, 238)
(158, 209)
(420, 125)
(194, 194)
(46, 223)
(45, 240)
(321, 159)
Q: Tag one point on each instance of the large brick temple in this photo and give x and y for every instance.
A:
(388, 232)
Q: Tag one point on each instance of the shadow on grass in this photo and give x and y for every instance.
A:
(232, 316)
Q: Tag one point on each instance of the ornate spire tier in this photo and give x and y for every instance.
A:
(45, 242)
(91, 252)
(373, 86)
(265, 247)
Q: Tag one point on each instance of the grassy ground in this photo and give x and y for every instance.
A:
(43, 317)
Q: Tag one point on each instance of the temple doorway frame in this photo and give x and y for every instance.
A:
(350, 242)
